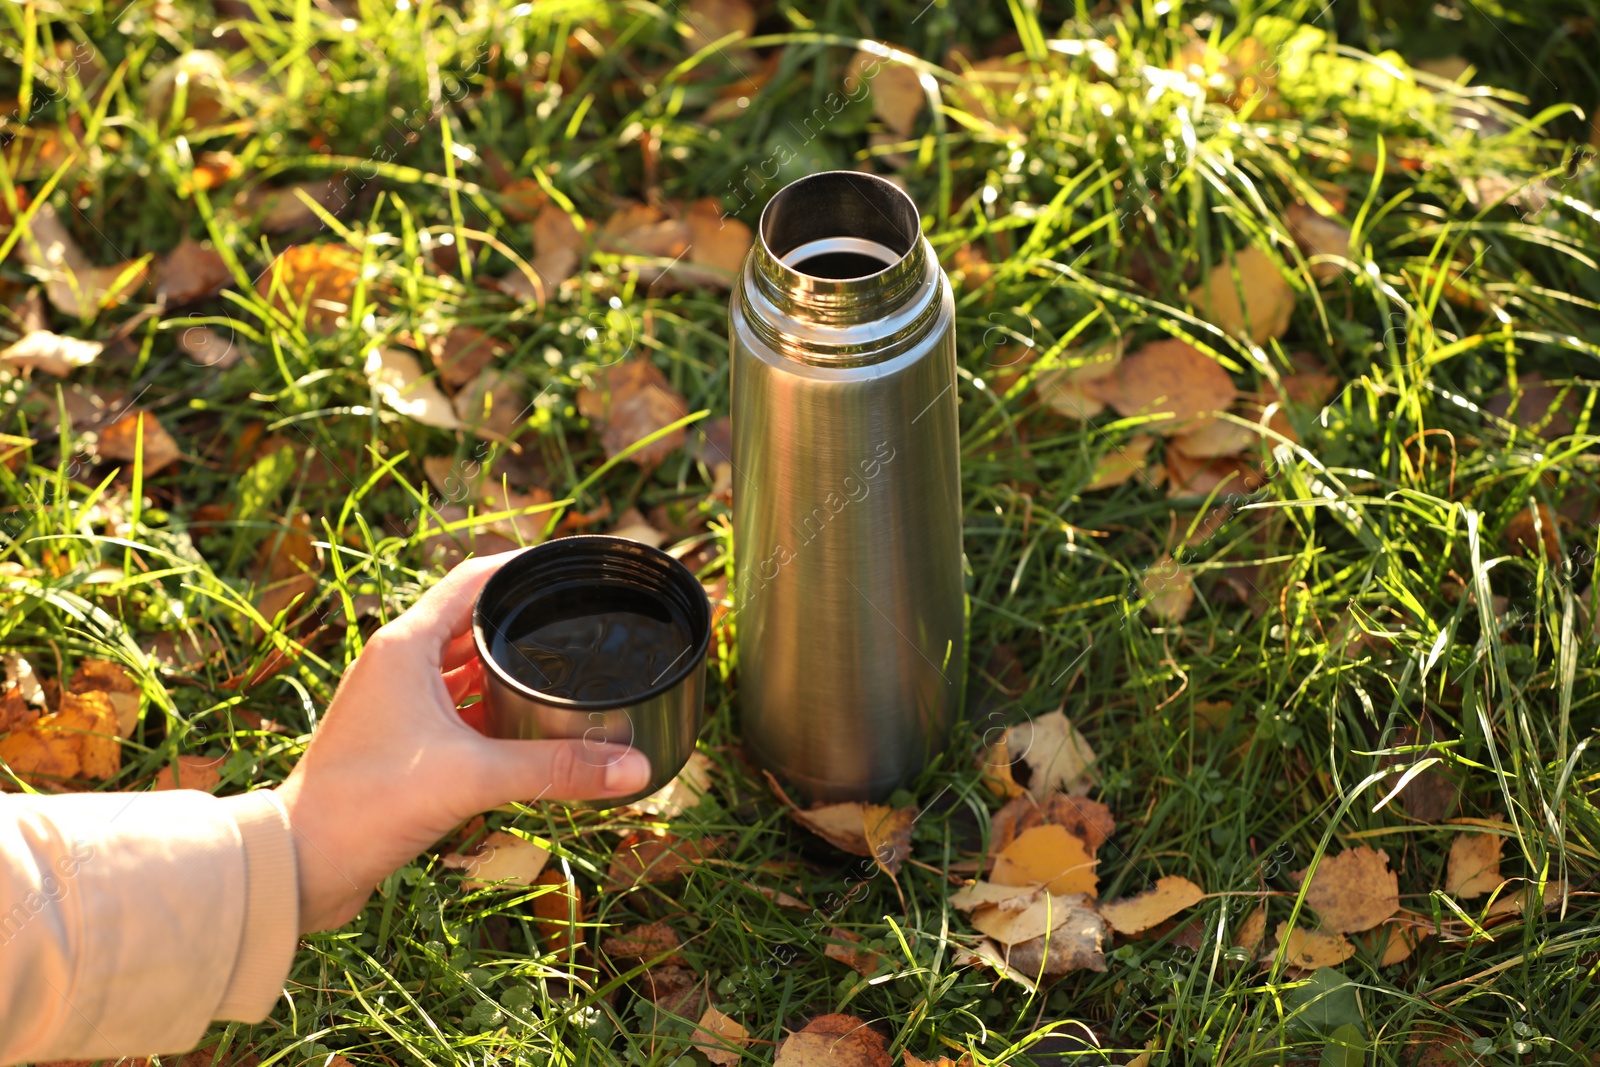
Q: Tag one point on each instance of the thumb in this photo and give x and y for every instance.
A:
(568, 769)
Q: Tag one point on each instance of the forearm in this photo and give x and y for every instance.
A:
(129, 921)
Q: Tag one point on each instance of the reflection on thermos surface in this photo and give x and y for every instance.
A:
(847, 497)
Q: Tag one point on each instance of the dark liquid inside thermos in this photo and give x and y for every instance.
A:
(591, 644)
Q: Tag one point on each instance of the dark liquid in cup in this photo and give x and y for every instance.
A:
(606, 643)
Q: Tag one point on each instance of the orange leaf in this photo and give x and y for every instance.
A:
(191, 772)
(120, 440)
(1049, 856)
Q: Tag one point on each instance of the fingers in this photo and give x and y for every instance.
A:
(560, 770)
(446, 609)
(465, 681)
(459, 652)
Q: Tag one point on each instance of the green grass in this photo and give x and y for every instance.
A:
(1395, 504)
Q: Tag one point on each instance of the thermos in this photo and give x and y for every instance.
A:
(848, 597)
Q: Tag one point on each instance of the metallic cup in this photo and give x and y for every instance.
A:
(848, 592)
(664, 720)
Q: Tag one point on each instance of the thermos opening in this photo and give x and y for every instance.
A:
(840, 225)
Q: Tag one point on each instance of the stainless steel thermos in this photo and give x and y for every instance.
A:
(848, 594)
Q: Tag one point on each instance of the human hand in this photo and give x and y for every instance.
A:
(393, 766)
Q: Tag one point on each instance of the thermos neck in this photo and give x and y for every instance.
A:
(837, 250)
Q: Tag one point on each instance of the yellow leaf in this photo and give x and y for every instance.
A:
(1307, 950)
(1174, 383)
(897, 93)
(1050, 856)
(1257, 303)
(1170, 895)
(121, 440)
(501, 857)
(1354, 890)
(1056, 753)
(1474, 867)
(1121, 463)
(720, 1037)
(400, 382)
(50, 353)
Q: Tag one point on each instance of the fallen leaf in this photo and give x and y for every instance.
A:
(718, 244)
(116, 683)
(1518, 902)
(833, 1041)
(841, 825)
(1394, 940)
(1252, 931)
(908, 1060)
(1088, 820)
(1354, 890)
(987, 954)
(319, 279)
(1170, 587)
(1534, 405)
(558, 246)
(897, 93)
(215, 169)
(656, 942)
(1121, 463)
(209, 95)
(90, 718)
(634, 401)
(191, 772)
(1267, 300)
(1174, 381)
(401, 383)
(1307, 950)
(1074, 391)
(1049, 856)
(1532, 531)
(500, 857)
(782, 899)
(988, 894)
(289, 550)
(122, 438)
(888, 835)
(994, 762)
(710, 21)
(1187, 477)
(1317, 236)
(1215, 438)
(493, 402)
(649, 857)
(289, 595)
(462, 354)
(1056, 754)
(191, 271)
(75, 287)
(557, 912)
(209, 348)
(1134, 915)
(679, 795)
(720, 1037)
(281, 210)
(632, 525)
(638, 230)
(675, 991)
(50, 353)
(1038, 914)
(1474, 866)
(864, 961)
(1075, 944)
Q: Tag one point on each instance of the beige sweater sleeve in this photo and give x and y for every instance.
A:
(129, 921)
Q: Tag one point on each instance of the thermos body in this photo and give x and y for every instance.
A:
(848, 596)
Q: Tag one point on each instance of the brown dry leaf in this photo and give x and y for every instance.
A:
(1021, 919)
(1056, 754)
(720, 1037)
(37, 756)
(401, 383)
(74, 286)
(1268, 299)
(994, 762)
(1215, 438)
(864, 961)
(116, 683)
(1252, 931)
(215, 169)
(281, 210)
(1049, 856)
(987, 894)
(191, 272)
(1318, 236)
(679, 795)
(289, 550)
(94, 721)
(1170, 587)
(908, 1060)
(833, 1041)
(718, 244)
(897, 93)
(500, 857)
(1134, 915)
(121, 439)
(1529, 536)
(1474, 867)
(633, 525)
(191, 772)
(1075, 944)
(556, 911)
(841, 825)
(712, 20)
(656, 942)
(492, 403)
(558, 246)
(321, 278)
(1174, 379)
(1075, 391)
(1187, 477)
(674, 990)
(290, 594)
(888, 835)
(634, 401)
(1517, 902)
(1395, 940)
(642, 230)
(1088, 820)
(209, 95)
(1307, 950)
(1537, 406)
(1354, 890)
(650, 857)
(1121, 463)
(50, 353)
(209, 348)
(463, 353)
(782, 899)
